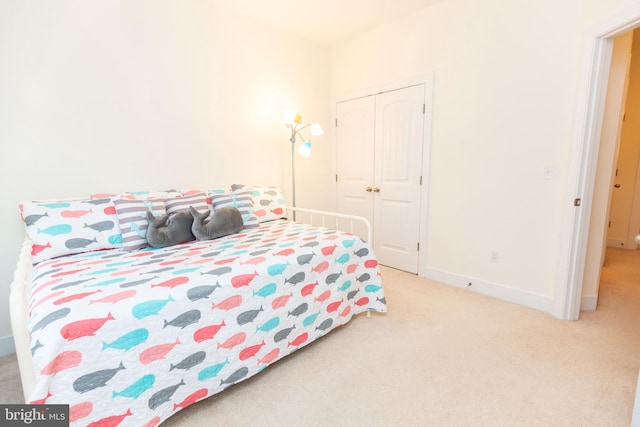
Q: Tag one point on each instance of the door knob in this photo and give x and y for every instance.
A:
(617, 185)
(368, 189)
(376, 189)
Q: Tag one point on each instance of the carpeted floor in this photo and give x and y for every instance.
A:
(444, 356)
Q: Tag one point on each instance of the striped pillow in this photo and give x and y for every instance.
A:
(182, 203)
(132, 217)
(240, 199)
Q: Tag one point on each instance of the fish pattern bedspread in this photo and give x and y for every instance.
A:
(129, 338)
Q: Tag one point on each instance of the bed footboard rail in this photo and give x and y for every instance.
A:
(19, 315)
(330, 219)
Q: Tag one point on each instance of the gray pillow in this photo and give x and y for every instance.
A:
(169, 230)
(223, 222)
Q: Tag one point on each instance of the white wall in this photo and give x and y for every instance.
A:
(506, 75)
(116, 96)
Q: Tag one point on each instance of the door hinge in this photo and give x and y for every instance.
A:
(609, 224)
(577, 202)
(424, 108)
(336, 122)
(420, 179)
(418, 247)
(336, 177)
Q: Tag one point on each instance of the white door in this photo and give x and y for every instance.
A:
(355, 161)
(379, 163)
(398, 170)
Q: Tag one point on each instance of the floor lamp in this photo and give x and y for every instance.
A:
(293, 121)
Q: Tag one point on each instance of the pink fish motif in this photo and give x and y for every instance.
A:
(47, 298)
(79, 411)
(66, 273)
(207, 333)
(255, 260)
(192, 398)
(285, 252)
(362, 301)
(228, 304)
(328, 250)
(251, 351)
(83, 328)
(308, 289)
(41, 401)
(74, 297)
(46, 285)
(243, 280)
(320, 268)
(260, 213)
(172, 283)
(174, 261)
(277, 211)
(299, 340)
(333, 306)
(114, 298)
(65, 360)
(111, 421)
(351, 268)
(157, 352)
(226, 261)
(36, 249)
(269, 357)
(75, 214)
(235, 340)
(281, 301)
(323, 296)
(110, 210)
(346, 311)
(125, 272)
(62, 264)
(371, 263)
(153, 422)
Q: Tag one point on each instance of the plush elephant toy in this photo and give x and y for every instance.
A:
(223, 222)
(169, 230)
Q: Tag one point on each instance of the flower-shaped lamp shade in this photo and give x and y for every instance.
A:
(305, 149)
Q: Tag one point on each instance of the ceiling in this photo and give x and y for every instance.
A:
(327, 22)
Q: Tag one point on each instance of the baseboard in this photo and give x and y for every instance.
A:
(494, 290)
(615, 243)
(588, 303)
(7, 346)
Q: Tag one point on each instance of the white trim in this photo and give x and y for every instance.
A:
(7, 346)
(581, 179)
(589, 302)
(494, 290)
(618, 243)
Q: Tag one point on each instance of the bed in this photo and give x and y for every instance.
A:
(129, 337)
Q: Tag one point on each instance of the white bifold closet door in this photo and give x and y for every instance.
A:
(379, 142)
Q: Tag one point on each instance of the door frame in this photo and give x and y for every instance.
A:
(598, 46)
(427, 80)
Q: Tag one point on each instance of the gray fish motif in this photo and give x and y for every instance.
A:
(236, 376)
(163, 395)
(248, 316)
(260, 252)
(299, 309)
(32, 219)
(364, 277)
(362, 252)
(305, 259)
(137, 282)
(98, 201)
(333, 277)
(382, 300)
(189, 361)
(283, 334)
(310, 244)
(77, 243)
(52, 271)
(95, 379)
(265, 202)
(35, 347)
(152, 261)
(210, 254)
(296, 278)
(160, 270)
(352, 294)
(218, 271)
(51, 317)
(101, 226)
(184, 319)
(66, 285)
(201, 292)
(326, 324)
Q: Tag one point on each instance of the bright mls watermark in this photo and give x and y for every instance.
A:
(34, 415)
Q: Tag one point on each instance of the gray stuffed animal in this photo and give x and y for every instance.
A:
(168, 231)
(223, 222)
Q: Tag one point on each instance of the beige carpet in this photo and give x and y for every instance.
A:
(445, 357)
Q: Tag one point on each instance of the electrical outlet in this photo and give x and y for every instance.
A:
(495, 256)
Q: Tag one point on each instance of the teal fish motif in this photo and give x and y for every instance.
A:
(346, 285)
(276, 269)
(269, 325)
(115, 239)
(185, 270)
(103, 271)
(107, 282)
(58, 205)
(149, 308)
(348, 243)
(343, 258)
(128, 340)
(309, 320)
(266, 290)
(136, 229)
(56, 230)
(136, 389)
(372, 288)
(211, 371)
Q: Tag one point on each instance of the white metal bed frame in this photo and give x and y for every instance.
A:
(19, 294)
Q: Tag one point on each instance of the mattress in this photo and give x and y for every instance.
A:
(129, 338)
